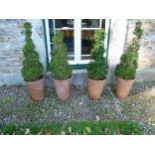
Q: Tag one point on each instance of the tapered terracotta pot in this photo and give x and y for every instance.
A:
(95, 88)
(123, 87)
(63, 88)
(36, 89)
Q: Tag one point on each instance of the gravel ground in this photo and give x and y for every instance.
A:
(17, 107)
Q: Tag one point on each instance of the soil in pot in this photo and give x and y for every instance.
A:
(63, 88)
(95, 88)
(123, 87)
(36, 89)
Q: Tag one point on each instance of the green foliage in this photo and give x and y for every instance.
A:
(129, 60)
(59, 65)
(32, 69)
(8, 129)
(97, 68)
(5, 100)
(107, 127)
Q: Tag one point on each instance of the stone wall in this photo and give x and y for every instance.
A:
(146, 63)
(12, 40)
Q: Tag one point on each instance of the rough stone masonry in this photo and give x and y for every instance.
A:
(146, 64)
(11, 43)
(12, 40)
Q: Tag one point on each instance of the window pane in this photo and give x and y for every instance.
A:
(87, 39)
(51, 34)
(103, 23)
(60, 23)
(50, 21)
(87, 43)
(90, 23)
(69, 41)
(67, 33)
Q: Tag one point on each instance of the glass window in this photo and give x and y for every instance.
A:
(69, 41)
(87, 37)
(90, 23)
(103, 24)
(87, 43)
(61, 23)
(58, 25)
(78, 36)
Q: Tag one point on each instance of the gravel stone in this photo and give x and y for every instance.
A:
(17, 107)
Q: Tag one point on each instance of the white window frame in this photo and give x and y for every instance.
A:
(77, 40)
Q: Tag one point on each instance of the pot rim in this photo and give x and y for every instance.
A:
(63, 80)
(41, 77)
(96, 79)
(125, 79)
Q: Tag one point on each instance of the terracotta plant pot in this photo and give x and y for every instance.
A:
(123, 87)
(95, 88)
(36, 89)
(63, 88)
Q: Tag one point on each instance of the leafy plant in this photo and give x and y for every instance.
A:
(129, 60)
(32, 69)
(6, 100)
(59, 65)
(106, 127)
(97, 68)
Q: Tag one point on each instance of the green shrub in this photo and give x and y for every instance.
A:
(32, 69)
(97, 68)
(129, 60)
(9, 129)
(106, 127)
(59, 65)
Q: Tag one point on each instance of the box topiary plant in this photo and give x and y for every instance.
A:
(32, 70)
(60, 68)
(98, 67)
(129, 60)
(126, 70)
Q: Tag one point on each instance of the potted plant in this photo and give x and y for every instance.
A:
(126, 70)
(60, 68)
(97, 68)
(32, 70)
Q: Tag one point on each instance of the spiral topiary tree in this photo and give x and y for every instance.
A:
(97, 68)
(32, 68)
(59, 66)
(129, 60)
